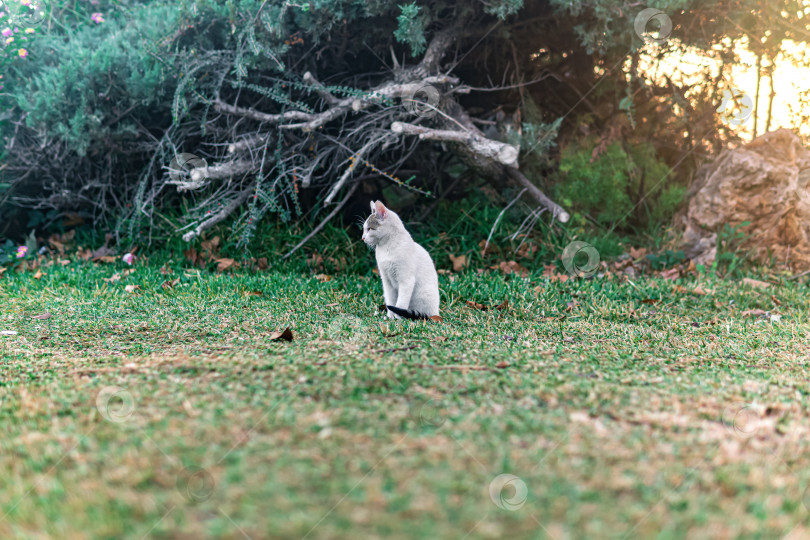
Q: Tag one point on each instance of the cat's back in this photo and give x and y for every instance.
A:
(424, 258)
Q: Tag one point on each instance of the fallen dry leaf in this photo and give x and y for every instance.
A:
(459, 262)
(475, 305)
(650, 300)
(38, 274)
(170, 283)
(323, 278)
(254, 293)
(191, 255)
(106, 259)
(436, 318)
(285, 335)
(525, 251)
(113, 278)
(210, 248)
(132, 288)
(224, 264)
(753, 313)
(511, 267)
(775, 300)
(757, 284)
(550, 272)
(72, 219)
(698, 291)
(502, 364)
(42, 317)
(637, 253)
(165, 270)
(503, 305)
(440, 338)
(96, 254)
(671, 274)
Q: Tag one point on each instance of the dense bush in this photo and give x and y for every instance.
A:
(106, 94)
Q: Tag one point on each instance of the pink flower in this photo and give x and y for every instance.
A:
(23, 53)
(97, 18)
(21, 251)
(7, 32)
(128, 258)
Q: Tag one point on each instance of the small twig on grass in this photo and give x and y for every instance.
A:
(797, 276)
(472, 368)
(395, 349)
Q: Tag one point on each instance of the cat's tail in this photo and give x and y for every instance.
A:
(406, 314)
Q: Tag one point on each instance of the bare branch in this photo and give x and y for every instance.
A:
(321, 89)
(436, 50)
(260, 116)
(503, 153)
(201, 176)
(246, 144)
(539, 196)
(350, 169)
(219, 216)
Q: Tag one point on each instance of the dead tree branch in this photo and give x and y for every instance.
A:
(503, 153)
(201, 176)
(219, 216)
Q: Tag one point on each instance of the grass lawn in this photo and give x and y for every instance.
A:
(170, 412)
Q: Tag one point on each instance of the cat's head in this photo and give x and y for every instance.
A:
(381, 225)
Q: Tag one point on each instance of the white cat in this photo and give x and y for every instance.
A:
(410, 283)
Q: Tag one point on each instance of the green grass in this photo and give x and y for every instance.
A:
(169, 413)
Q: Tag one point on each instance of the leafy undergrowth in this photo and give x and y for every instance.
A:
(643, 408)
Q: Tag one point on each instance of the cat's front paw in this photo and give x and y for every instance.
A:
(392, 315)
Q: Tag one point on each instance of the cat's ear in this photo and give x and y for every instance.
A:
(380, 210)
(373, 208)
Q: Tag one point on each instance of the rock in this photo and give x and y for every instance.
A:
(764, 182)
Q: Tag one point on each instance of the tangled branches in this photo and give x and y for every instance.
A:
(320, 136)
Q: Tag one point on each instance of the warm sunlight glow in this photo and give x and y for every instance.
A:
(790, 81)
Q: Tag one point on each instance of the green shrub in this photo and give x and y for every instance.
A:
(622, 187)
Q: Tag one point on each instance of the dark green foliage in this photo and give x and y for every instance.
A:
(411, 28)
(98, 108)
(665, 259)
(619, 186)
(75, 89)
